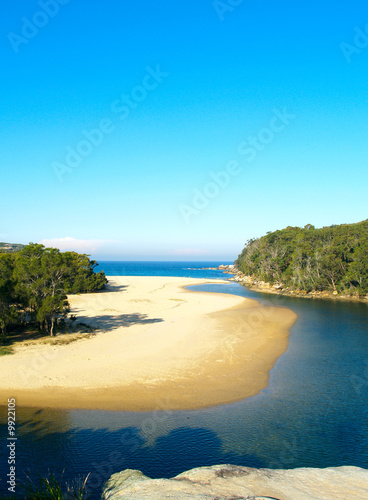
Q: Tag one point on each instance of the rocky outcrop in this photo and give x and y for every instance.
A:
(278, 288)
(230, 482)
(226, 268)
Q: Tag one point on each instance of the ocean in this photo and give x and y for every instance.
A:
(152, 268)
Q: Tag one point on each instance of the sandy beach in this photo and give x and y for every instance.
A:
(155, 346)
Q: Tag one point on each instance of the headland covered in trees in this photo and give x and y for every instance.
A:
(35, 281)
(307, 260)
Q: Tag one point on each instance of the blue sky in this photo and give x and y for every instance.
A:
(178, 130)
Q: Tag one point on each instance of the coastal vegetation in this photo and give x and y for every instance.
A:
(50, 487)
(35, 281)
(331, 258)
(10, 247)
(54, 488)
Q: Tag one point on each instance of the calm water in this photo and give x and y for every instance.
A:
(312, 414)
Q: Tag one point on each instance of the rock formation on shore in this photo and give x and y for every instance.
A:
(231, 482)
(279, 288)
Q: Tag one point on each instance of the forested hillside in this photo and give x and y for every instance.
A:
(35, 281)
(331, 258)
(10, 247)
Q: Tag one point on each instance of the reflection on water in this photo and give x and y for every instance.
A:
(312, 414)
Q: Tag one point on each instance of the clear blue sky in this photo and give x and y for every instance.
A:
(180, 89)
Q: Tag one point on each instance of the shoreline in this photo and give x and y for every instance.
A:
(304, 295)
(264, 287)
(156, 346)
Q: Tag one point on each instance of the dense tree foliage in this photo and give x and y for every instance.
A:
(330, 258)
(35, 281)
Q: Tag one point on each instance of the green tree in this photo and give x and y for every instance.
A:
(51, 308)
(81, 277)
(357, 275)
(8, 312)
(42, 277)
(334, 257)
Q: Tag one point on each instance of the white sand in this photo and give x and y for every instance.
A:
(156, 345)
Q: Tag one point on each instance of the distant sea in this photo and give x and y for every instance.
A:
(165, 268)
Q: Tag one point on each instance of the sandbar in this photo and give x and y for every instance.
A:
(155, 346)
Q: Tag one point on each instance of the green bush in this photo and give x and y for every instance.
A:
(35, 281)
(330, 258)
(50, 488)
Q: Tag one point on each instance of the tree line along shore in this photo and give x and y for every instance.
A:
(330, 261)
(35, 281)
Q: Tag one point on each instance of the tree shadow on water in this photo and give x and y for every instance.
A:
(186, 448)
(101, 453)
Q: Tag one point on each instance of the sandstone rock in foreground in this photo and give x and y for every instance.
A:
(230, 482)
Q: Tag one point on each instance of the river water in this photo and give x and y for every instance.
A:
(312, 414)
